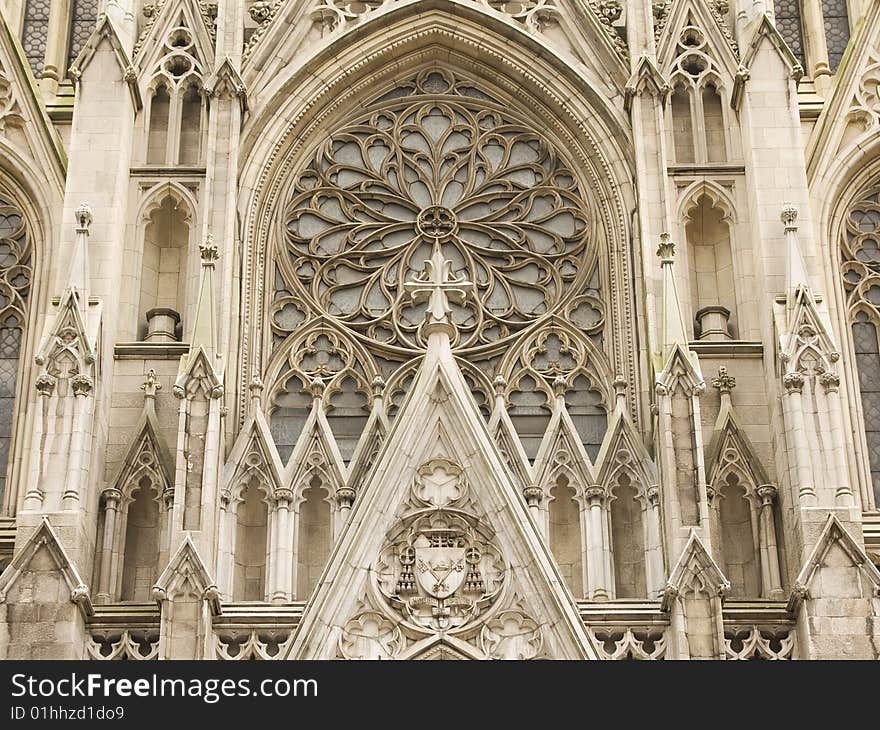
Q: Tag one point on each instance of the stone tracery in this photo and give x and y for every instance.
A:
(437, 159)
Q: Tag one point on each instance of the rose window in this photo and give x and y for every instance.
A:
(436, 161)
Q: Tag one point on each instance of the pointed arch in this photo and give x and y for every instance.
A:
(17, 274)
(267, 165)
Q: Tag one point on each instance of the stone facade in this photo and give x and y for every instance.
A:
(439, 329)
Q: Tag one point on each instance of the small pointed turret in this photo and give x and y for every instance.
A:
(796, 277)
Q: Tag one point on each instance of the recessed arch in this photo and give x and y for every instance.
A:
(298, 106)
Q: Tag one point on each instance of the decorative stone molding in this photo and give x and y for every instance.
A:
(754, 642)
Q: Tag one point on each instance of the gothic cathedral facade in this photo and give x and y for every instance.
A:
(440, 329)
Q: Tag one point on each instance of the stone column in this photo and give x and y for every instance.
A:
(843, 495)
(598, 582)
(282, 562)
(534, 496)
(655, 576)
(344, 500)
(56, 46)
(797, 438)
(225, 547)
(770, 576)
(111, 510)
(82, 389)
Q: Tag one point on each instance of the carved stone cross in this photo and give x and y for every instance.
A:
(437, 285)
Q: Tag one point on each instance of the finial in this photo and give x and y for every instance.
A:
(666, 249)
(378, 387)
(316, 388)
(208, 251)
(151, 385)
(438, 285)
(723, 382)
(620, 383)
(256, 388)
(559, 386)
(83, 217)
(789, 216)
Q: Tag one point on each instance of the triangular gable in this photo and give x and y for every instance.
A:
(681, 365)
(68, 319)
(720, 47)
(437, 428)
(576, 27)
(186, 571)
(622, 436)
(806, 331)
(106, 31)
(167, 15)
(694, 572)
(509, 444)
(316, 449)
(834, 533)
(147, 438)
(370, 442)
(729, 435)
(44, 536)
(24, 109)
(255, 439)
(646, 75)
(562, 436)
(765, 29)
(227, 80)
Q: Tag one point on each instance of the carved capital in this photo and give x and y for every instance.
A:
(767, 493)
(217, 392)
(256, 388)
(595, 494)
(345, 497)
(158, 594)
(81, 384)
(283, 498)
(45, 384)
(793, 383)
(653, 495)
(178, 391)
(533, 496)
(378, 386)
(111, 497)
(499, 385)
(830, 382)
(620, 384)
(316, 388)
(559, 386)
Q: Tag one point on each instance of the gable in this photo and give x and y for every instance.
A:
(440, 543)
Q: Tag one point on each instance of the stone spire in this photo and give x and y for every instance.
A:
(796, 277)
(204, 333)
(672, 328)
(78, 275)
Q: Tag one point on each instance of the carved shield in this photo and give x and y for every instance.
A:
(440, 570)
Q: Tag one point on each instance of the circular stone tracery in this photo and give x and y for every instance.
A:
(436, 159)
(437, 221)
